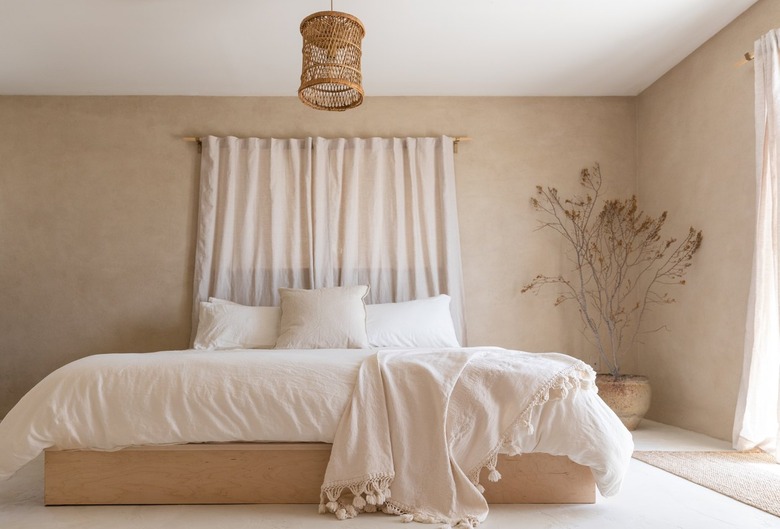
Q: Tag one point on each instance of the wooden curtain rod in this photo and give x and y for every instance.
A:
(455, 141)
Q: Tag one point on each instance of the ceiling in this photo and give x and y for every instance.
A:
(411, 48)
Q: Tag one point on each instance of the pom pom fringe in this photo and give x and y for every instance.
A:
(359, 502)
(369, 496)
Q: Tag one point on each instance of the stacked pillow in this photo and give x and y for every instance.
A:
(226, 325)
(326, 318)
(419, 323)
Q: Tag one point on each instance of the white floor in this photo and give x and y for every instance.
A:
(650, 499)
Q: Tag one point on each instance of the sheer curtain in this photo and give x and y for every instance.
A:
(756, 422)
(315, 212)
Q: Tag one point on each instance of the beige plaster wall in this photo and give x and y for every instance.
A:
(98, 207)
(696, 159)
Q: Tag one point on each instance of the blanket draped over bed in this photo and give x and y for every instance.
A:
(421, 426)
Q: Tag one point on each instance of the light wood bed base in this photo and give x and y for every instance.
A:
(265, 473)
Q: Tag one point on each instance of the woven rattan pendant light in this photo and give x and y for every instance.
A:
(330, 77)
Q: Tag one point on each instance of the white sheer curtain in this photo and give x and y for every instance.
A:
(315, 212)
(756, 422)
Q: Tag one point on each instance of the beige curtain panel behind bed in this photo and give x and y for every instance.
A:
(316, 212)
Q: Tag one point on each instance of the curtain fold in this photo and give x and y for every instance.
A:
(758, 407)
(316, 212)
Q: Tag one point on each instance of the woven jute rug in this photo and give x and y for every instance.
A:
(751, 477)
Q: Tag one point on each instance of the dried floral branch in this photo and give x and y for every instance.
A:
(621, 263)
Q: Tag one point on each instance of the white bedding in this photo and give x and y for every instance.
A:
(110, 401)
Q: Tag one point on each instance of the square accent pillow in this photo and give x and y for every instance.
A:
(323, 318)
(419, 323)
(227, 325)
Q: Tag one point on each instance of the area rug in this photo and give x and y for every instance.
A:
(751, 477)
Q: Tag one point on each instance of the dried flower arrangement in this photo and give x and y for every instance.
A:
(621, 263)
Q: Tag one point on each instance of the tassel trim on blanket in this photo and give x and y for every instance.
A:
(408, 514)
(373, 495)
(579, 376)
(368, 495)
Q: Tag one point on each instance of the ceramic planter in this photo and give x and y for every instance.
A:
(628, 396)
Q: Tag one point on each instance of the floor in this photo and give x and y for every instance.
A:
(650, 499)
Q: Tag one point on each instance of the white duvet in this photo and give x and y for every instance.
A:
(110, 401)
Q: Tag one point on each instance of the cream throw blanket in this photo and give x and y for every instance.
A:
(421, 426)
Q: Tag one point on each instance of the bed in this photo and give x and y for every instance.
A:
(353, 402)
(166, 402)
(206, 396)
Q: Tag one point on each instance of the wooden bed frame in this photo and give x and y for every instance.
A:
(265, 473)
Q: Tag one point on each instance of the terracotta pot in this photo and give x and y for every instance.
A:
(628, 396)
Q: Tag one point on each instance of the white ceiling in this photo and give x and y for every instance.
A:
(412, 47)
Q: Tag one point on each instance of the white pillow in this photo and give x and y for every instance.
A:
(227, 325)
(324, 318)
(419, 323)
